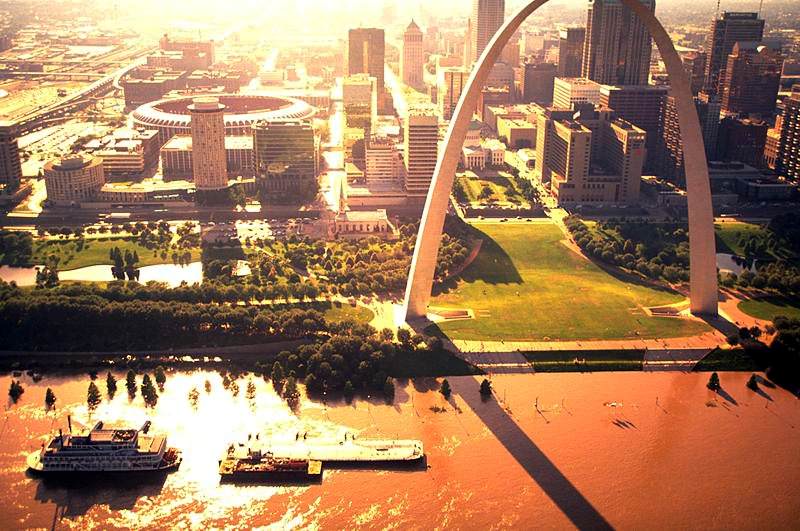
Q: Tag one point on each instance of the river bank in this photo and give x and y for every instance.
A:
(587, 450)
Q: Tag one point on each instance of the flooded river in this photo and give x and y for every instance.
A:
(628, 450)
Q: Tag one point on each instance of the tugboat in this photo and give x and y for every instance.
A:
(104, 450)
(242, 464)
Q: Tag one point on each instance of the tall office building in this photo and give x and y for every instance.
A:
(742, 140)
(571, 91)
(360, 101)
(708, 108)
(366, 49)
(413, 56)
(10, 167)
(451, 82)
(286, 159)
(725, 32)
(209, 165)
(590, 157)
(382, 160)
(787, 162)
(537, 83)
(643, 106)
(695, 65)
(487, 18)
(570, 51)
(421, 150)
(752, 79)
(617, 48)
(74, 179)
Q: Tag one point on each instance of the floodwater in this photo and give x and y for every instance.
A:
(731, 263)
(628, 450)
(172, 274)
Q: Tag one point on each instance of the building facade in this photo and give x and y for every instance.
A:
(176, 157)
(571, 91)
(725, 32)
(286, 159)
(752, 79)
(451, 83)
(537, 83)
(787, 161)
(570, 51)
(10, 167)
(487, 17)
(366, 54)
(382, 160)
(208, 140)
(421, 142)
(413, 56)
(618, 47)
(73, 180)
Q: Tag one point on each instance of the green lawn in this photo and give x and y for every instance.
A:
(729, 232)
(595, 360)
(526, 285)
(339, 312)
(771, 307)
(95, 251)
(504, 189)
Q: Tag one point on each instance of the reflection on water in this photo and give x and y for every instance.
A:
(733, 263)
(172, 274)
(552, 449)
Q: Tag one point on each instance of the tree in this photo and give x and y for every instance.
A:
(713, 382)
(149, 392)
(486, 388)
(208, 386)
(277, 376)
(130, 383)
(348, 390)
(752, 383)
(445, 388)
(49, 399)
(111, 385)
(15, 390)
(194, 396)
(161, 378)
(388, 388)
(251, 390)
(404, 337)
(93, 398)
(290, 392)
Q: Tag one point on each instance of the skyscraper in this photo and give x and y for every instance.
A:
(421, 150)
(285, 158)
(752, 79)
(10, 168)
(209, 165)
(366, 50)
(451, 83)
(708, 113)
(787, 163)
(725, 32)
(618, 46)
(570, 51)
(487, 18)
(537, 83)
(413, 56)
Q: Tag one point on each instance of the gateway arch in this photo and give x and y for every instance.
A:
(702, 257)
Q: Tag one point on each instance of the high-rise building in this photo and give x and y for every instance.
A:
(208, 143)
(707, 107)
(787, 162)
(591, 157)
(725, 32)
(618, 46)
(413, 56)
(537, 83)
(286, 159)
(742, 140)
(421, 150)
(366, 51)
(10, 167)
(643, 106)
(487, 18)
(360, 101)
(74, 179)
(382, 160)
(694, 63)
(568, 92)
(451, 83)
(570, 51)
(752, 79)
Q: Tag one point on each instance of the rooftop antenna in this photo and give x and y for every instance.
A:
(716, 15)
(760, 6)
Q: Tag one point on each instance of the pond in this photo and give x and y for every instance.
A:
(172, 274)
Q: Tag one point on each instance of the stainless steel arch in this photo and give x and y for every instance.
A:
(703, 270)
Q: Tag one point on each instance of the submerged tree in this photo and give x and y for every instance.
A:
(111, 385)
(15, 390)
(194, 396)
(445, 388)
(388, 388)
(277, 376)
(290, 392)
(752, 383)
(149, 392)
(251, 390)
(486, 388)
(208, 386)
(713, 382)
(130, 383)
(161, 377)
(93, 398)
(49, 398)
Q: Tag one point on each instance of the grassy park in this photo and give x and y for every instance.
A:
(74, 254)
(527, 285)
(501, 187)
(771, 307)
(730, 233)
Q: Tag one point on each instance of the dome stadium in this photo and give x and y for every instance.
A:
(171, 116)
